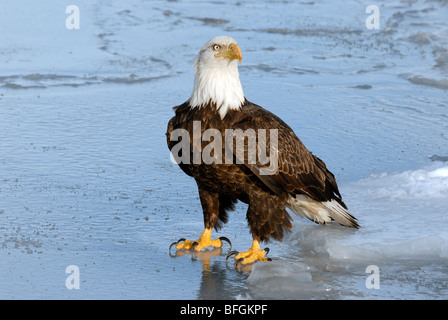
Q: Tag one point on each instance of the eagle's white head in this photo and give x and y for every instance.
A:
(217, 79)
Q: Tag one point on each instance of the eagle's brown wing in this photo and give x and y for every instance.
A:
(298, 170)
(177, 122)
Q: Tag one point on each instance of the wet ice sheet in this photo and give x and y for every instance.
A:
(85, 173)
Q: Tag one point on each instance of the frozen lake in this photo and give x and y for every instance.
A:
(86, 178)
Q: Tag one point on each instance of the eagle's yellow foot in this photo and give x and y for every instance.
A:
(250, 256)
(204, 241)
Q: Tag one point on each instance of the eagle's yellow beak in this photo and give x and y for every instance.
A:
(232, 52)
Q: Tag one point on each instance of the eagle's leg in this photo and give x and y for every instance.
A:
(214, 208)
(253, 254)
(204, 241)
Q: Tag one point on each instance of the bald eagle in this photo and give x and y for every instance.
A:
(300, 181)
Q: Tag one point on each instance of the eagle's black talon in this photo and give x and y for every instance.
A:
(266, 250)
(226, 240)
(231, 253)
(194, 244)
(173, 244)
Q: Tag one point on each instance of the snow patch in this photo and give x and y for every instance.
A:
(404, 231)
(430, 182)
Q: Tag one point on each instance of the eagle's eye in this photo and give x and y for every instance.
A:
(216, 47)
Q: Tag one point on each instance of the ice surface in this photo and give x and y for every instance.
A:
(86, 178)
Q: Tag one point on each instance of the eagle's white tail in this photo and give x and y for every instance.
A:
(321, 212)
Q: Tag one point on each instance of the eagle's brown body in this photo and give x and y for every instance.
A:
(221, 185)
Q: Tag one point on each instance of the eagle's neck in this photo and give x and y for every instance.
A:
(219, 84)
